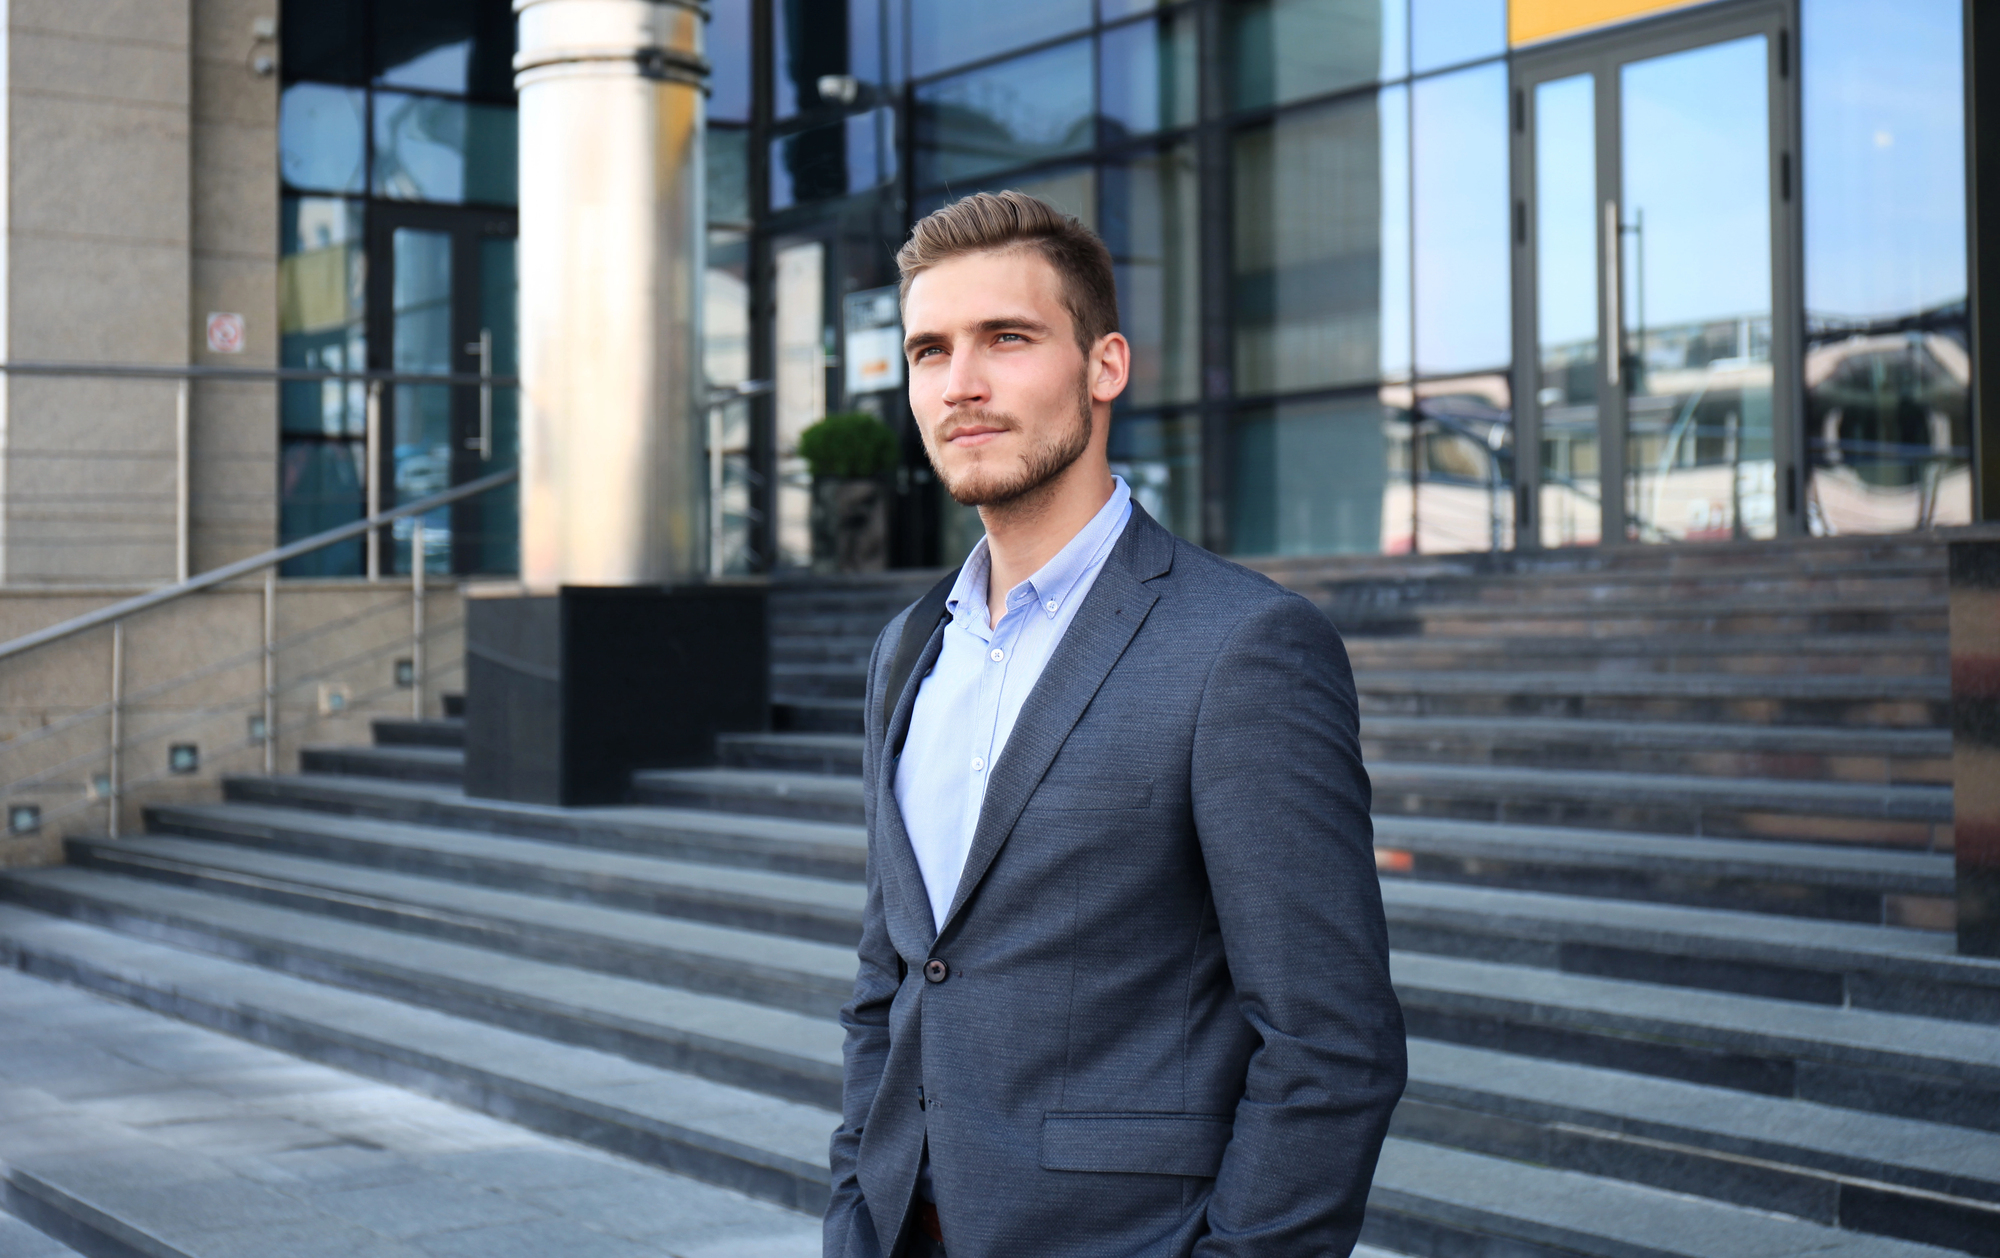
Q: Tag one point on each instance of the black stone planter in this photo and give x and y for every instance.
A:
(850, 524)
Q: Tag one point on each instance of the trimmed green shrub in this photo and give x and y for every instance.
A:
(848, 445)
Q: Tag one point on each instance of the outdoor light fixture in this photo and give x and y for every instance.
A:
(183, 758)
(839, 89)
(332, 698)
(258, 730)
(100, 785)
(24, 818)
(406, 673)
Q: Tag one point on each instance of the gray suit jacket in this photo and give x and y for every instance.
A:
(1164, 1025)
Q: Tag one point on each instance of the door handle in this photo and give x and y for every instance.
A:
(484, 441)
(1614, 334)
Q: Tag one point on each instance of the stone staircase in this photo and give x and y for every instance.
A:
(1663, 839)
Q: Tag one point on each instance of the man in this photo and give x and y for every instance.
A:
(1124, 977)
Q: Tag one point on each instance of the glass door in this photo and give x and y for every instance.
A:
(1658, 218)
(441, 302)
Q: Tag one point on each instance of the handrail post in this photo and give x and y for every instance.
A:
(183, 540)
(114, 787)
(417, 618)
(271, 669)
(374, 478)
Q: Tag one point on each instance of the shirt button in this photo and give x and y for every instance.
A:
(1052, 605)
(978, 763)
(998, 655)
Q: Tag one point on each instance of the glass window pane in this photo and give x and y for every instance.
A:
(1321, 213)
(322, 273)
(421, 344)
(801, 332)
(1310, 478)
(1112, 10)
(1886, 368)
(1463, 256)
(465, 47)
(809, 41)
(1566, 309)
(1282, 50)
(1464, 488)
(321, 486)
(729, 55)
(1147, 212)
(320, 137)
(1160, 458)
(1452, 32)
(325, 41)
(728, 158)
(1036, 107)
(496, 514)
(1147, 76)
(947, 33)
(1071, 189)
(427, 149)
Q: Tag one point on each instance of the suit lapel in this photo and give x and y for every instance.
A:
(911, 902)
(1104, 626)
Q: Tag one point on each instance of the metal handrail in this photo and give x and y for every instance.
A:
(255, 563)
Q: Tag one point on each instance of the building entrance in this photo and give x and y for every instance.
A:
(441, 300)
(1657, 345)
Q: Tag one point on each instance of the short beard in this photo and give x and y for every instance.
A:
(1039, 470)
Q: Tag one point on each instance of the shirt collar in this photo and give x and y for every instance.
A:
(1051, 585)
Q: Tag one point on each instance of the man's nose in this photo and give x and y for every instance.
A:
(964, 384)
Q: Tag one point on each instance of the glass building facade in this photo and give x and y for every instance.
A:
(1401, 276)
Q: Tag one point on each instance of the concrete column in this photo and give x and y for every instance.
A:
(612, 115)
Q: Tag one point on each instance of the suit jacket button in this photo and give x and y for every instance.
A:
(935, 971)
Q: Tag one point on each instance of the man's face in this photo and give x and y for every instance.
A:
(998, 384)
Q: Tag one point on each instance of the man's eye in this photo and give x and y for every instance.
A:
(1010, 336)
(926, 352)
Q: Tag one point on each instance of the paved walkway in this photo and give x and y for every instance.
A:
(188, 1142)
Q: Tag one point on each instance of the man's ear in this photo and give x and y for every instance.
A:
(1110, 366)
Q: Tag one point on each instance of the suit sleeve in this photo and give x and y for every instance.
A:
(849, 1231)
(1281, 806)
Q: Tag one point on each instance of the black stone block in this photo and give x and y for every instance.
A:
(567, 694)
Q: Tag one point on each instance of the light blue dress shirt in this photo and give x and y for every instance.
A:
(967, 703)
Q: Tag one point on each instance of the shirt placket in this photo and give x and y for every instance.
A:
(999, 647)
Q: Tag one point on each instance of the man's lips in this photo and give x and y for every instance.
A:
(973, 434)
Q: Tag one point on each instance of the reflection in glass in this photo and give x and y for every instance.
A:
(1695, 295)
(1147, 217)
(1452, 32)
(1463, 256)
(1308, 478)
(465, 47)
(1071, 189)
(1112, 10)
(497, 514)
(1035, 107)
(1147, 76)
(1462, 497)
(1160, 458)
(801, 334)
(1286, 50)
(1566, 308)
(820, 163)
(725, 333)
(1320, 254)
(728, 53)
(326, 43)
(947, 33)
(809, 41)
(321, 485)
(728, 160)
(427, 149)
(1887, 424)
(322, 277)
(321, 130)
(420, 344)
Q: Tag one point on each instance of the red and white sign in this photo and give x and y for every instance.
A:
(225, 333)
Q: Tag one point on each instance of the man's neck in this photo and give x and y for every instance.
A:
(1023, 535)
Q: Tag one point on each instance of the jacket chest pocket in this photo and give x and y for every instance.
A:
(1102, 795)
(1136, 1143)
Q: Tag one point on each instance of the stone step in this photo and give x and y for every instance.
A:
(1797, 752)
(789, 846)
(1902, 702)
(815, 648)
(1850, 884)
(819, 680)
(1870, 654)
(795, 753)
(827, 910)
(778, 1052)
(842, 622)
(759, 792)
(813, 715)
(1444, 1203)
(1915, 817)
(399, 762)
(1808, 615)
(1888, 1176)
(779, 970)
(1930, 1069)
(758, 1144)
(403, 732)
(1837, 964)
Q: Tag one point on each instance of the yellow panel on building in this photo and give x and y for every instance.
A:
(1529, 21)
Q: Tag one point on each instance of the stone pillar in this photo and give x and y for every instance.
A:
(612, 115)
(1975, 742)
